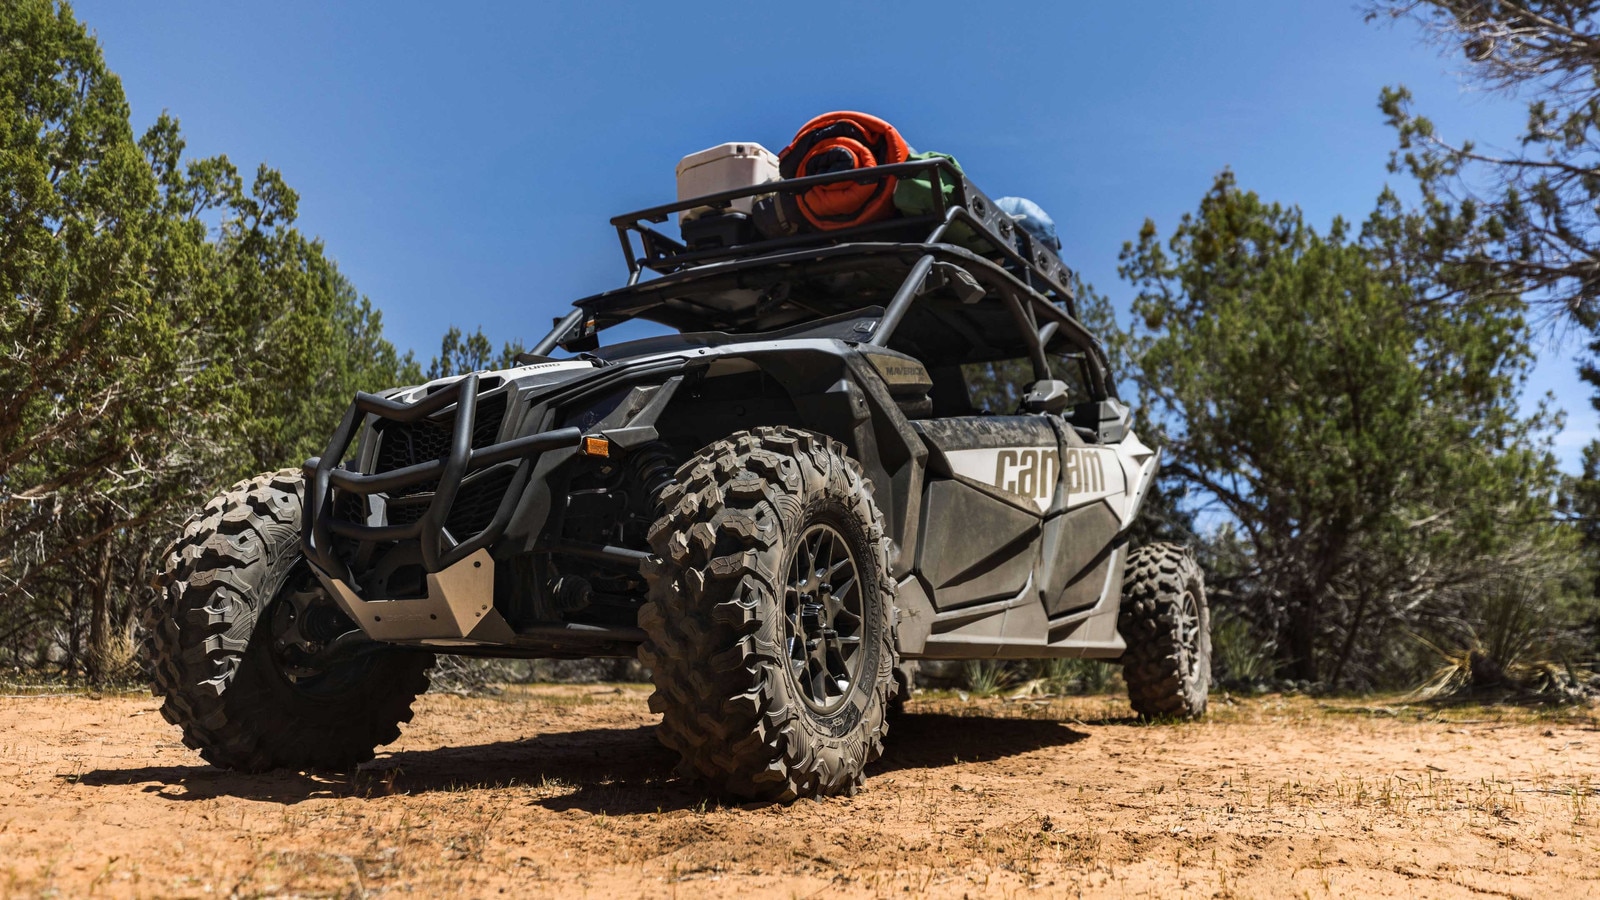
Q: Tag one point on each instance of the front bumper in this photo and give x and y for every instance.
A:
(458, 610)
(438, 548)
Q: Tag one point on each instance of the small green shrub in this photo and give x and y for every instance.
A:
(1518, 640)
(1241, 653)
(1075, 676)
(985, 677)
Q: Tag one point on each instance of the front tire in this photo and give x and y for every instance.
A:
(1167, 626)
(770, 623)
(232, 638)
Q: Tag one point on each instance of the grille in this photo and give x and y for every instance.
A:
(351, 507)
(476, 503)
(398, 514)
(408, 443)
(402, 444)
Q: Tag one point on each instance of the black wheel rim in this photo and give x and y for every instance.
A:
(303, 625)
(1186, 624)
(823, 617)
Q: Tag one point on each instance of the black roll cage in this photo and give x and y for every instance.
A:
(1030, 279)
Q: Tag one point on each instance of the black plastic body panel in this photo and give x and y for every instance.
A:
(974, 547)
(1076, 544)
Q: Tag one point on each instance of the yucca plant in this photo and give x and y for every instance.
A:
(1242, 654)
(1504, 646)
(985, 677)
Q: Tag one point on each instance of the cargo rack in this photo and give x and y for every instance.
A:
(1014, 249)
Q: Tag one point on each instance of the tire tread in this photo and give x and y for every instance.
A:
(211, 588)
(1157, 575)
(714, 658)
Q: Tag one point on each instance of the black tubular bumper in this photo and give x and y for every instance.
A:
(438, 548)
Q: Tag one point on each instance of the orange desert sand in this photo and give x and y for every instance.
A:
(563, 791)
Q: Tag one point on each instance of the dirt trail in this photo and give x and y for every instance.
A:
(562, 790)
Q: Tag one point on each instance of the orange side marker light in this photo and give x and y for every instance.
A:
(595, 445)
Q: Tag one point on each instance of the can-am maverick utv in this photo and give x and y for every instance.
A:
(886, 442)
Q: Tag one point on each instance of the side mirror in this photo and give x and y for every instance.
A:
(1047, 397)
(1110, 420)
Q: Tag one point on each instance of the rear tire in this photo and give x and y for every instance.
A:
(1167, 627)
(905, 683)
(770, 623)
(221, 642)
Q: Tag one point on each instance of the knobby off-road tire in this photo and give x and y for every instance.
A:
(1167, 627)
(749, 703)
(905, 680)
(213, 636)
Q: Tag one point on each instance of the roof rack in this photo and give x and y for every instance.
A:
(1013, 247)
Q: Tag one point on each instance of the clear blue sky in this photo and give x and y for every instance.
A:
(460, 160)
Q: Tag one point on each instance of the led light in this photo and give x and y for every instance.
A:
(596, 445)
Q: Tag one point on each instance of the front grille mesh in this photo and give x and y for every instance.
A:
(406, 514)
(477, 502)
(351, 507)
(402, 444)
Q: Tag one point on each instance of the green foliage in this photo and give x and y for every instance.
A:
(1054, 677)
(1539, 203)
(985, 677)
(1525, 220)
(164, 331)
(1367, 445)
(1581, 502)
(1075, 676)
(459, 355)
(1518, 643)
(1239, 652)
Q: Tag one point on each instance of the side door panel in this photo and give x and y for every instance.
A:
(990, 481)
(974, 548)
(1077, 546)
(1078, 536)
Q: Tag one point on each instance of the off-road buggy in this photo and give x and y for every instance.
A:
(887, 442)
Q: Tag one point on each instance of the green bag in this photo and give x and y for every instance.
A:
(914, 197)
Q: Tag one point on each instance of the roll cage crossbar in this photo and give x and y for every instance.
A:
(1038, 319)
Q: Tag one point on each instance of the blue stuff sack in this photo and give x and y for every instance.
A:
(1034, 220)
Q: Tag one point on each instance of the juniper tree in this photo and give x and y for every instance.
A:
(163, 330)
(1368, 447)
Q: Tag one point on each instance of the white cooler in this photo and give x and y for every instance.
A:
(723, 168)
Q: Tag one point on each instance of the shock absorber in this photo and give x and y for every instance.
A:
(576, 583)
(652, 469)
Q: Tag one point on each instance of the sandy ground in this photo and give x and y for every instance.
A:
(562, 791)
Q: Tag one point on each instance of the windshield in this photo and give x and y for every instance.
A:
(855, 325)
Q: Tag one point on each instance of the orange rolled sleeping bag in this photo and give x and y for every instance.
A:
(840, 141)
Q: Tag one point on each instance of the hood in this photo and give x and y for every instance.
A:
(553, 372)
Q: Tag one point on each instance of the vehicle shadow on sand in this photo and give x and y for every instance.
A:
(617, 771)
